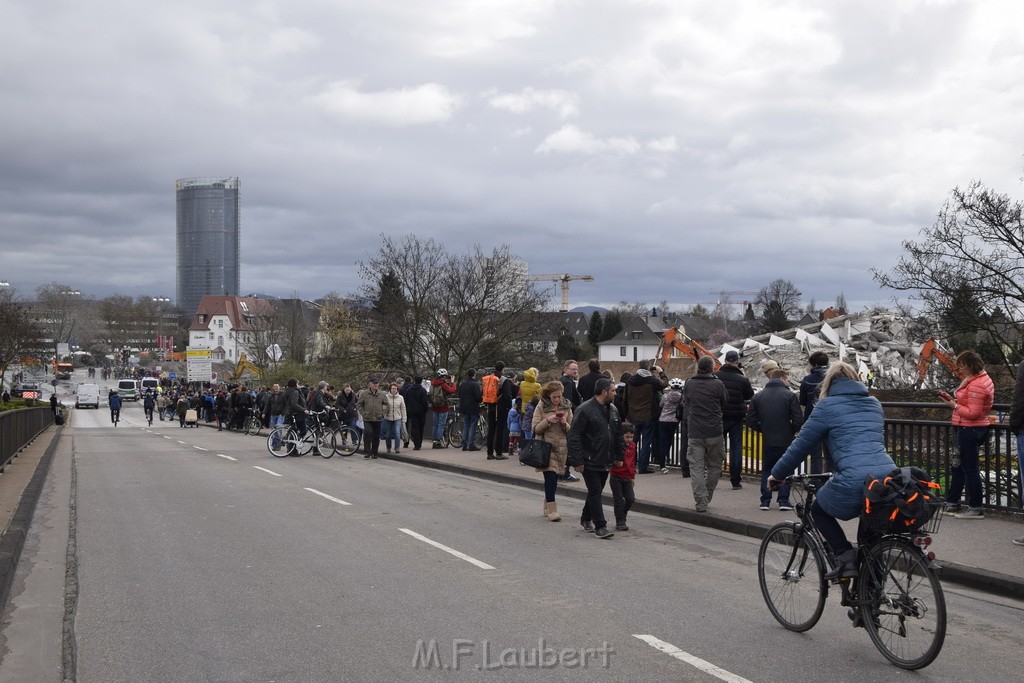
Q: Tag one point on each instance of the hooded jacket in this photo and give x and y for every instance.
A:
(851, 424)
(809, 389)
(641, 399)
(739, 389)
(529, 387)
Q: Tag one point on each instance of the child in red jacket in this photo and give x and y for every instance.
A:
(622, 479)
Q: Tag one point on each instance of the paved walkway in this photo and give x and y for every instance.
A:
(979, 554)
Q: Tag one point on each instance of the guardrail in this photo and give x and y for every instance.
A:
(18, 428)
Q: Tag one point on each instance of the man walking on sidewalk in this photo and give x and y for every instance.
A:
(595, 445)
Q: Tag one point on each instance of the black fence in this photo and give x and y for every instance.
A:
(18, 428)
(926, 443)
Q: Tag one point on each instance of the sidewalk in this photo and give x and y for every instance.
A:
(977, 554)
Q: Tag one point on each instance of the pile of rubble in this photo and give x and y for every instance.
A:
(882, 345)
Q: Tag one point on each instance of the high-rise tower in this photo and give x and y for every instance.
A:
(208, 240)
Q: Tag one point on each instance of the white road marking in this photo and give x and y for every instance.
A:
(183, 443)
(706, 667)
(166, 437)
(339, 501)
(452, 551)
(226, 457)
(264, 469)
(200, 449)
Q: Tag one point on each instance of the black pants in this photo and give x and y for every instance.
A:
(622, 491)
(492, 427)
(593, 511)
(501, 427)
(371, 436)
(416, 424)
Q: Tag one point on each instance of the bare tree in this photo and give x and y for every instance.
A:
(974, 252)
(779, 303)
(18, 333)
(56, 311)
(341, 346)
(637, 309)
(840, 304)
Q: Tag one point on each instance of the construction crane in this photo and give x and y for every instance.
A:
(564, 279)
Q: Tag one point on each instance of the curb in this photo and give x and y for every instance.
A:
(13, 539)
(983, 580)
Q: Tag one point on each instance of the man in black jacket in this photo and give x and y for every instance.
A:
(417, 404)
(809, 386)
(1017, 426)
(588, 381)
(735, 410)
(775, 412)
(470, 397)
(595, 444)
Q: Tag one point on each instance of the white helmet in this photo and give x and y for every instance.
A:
(675, 383)
(441, 372)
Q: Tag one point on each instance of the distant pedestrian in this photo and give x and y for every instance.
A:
(515, 430)
(821, 460)
(441, 387)
(589, 381)
(971, 404)
(552, 419)
(394, 416)
(416, 407)
(642, 410)
(470, 396)
(668, 421)
(371, 405)
(740, 392)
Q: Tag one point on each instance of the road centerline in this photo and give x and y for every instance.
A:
(264, 469)
(339, 501)
(226, 457)
(450, 551)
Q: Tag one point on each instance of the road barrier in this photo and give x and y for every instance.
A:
(18, 428)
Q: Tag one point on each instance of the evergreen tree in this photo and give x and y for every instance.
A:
(611, 326)
(594, 331)
(567, 348)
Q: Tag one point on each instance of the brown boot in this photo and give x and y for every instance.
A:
(551, 512)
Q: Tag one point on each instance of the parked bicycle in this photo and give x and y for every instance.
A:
(453, 430)
(346, 437)
(897, 596)
(252, 423)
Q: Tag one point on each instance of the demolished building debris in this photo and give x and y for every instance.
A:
(884, 347)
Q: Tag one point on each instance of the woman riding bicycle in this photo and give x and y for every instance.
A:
(850, 423)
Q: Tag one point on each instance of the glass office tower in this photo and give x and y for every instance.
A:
(208, 239)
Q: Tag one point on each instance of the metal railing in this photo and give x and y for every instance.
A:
(18, 428)
(928, 444)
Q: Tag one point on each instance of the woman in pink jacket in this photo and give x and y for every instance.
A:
(971, 404)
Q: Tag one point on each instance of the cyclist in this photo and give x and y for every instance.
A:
(148, 404)
(850, 423)
(114, 400)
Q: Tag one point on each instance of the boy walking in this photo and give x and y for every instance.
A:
(623, 477)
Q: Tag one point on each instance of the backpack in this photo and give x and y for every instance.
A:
(489, 384)
(437, 399)
(900, 502)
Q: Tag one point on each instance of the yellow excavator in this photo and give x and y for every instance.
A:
(242, 365)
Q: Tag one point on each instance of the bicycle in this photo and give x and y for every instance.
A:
(453, 430)
(286, 439)
(252, 423)
(897, 597)
(346, 437)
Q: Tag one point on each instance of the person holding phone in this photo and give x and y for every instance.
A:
(971, 404)
(552, 419)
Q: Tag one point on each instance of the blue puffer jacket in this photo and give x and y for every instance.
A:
(850, 423)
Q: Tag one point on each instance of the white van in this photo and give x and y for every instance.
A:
(128, 389)
(87, 395)
(151, 384)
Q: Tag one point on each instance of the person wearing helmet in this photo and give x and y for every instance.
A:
(441, 387)
(668, 421)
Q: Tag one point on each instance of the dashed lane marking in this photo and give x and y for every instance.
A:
(226, 457)
(264, 469)
(692, 660)
(198, 448)
(339, 501)
(451, 551)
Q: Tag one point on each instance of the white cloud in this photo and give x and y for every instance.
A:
(571, 140)
(666, 144)
(562, 102)
(291, 40)
(428, 103)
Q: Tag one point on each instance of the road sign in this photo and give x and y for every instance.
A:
(172, 375)
(213, 376)
(199, 365)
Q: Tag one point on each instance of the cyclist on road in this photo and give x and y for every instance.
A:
(148, 404)
(114, 400)
(850, 423)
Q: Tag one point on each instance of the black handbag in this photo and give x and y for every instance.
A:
(535, 453)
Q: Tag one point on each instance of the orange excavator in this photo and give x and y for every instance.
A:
(929, 352)
(675, 338)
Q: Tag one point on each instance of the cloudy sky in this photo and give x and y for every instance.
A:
(669, 148)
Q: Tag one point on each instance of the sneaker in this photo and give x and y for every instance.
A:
(737, 487)
(571, 477)
(950, 506)
(587, 526)
(1018, 541)
(664, 470)
(971, 513)
(603, 532)
(501, 456)
(622, 526)
(785, 507)
(766, 506)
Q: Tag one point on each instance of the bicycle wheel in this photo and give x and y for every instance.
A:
(481, 433)
(253, 425)
(453, 432)
(280, 441)
(304, 444)
(346, 441)
(902, 604)
(792, 577)
(324, 443)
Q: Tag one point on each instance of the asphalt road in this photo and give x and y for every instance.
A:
(202, 558)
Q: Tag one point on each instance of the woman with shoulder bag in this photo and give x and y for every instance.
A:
(971, 406)
(551, 421)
